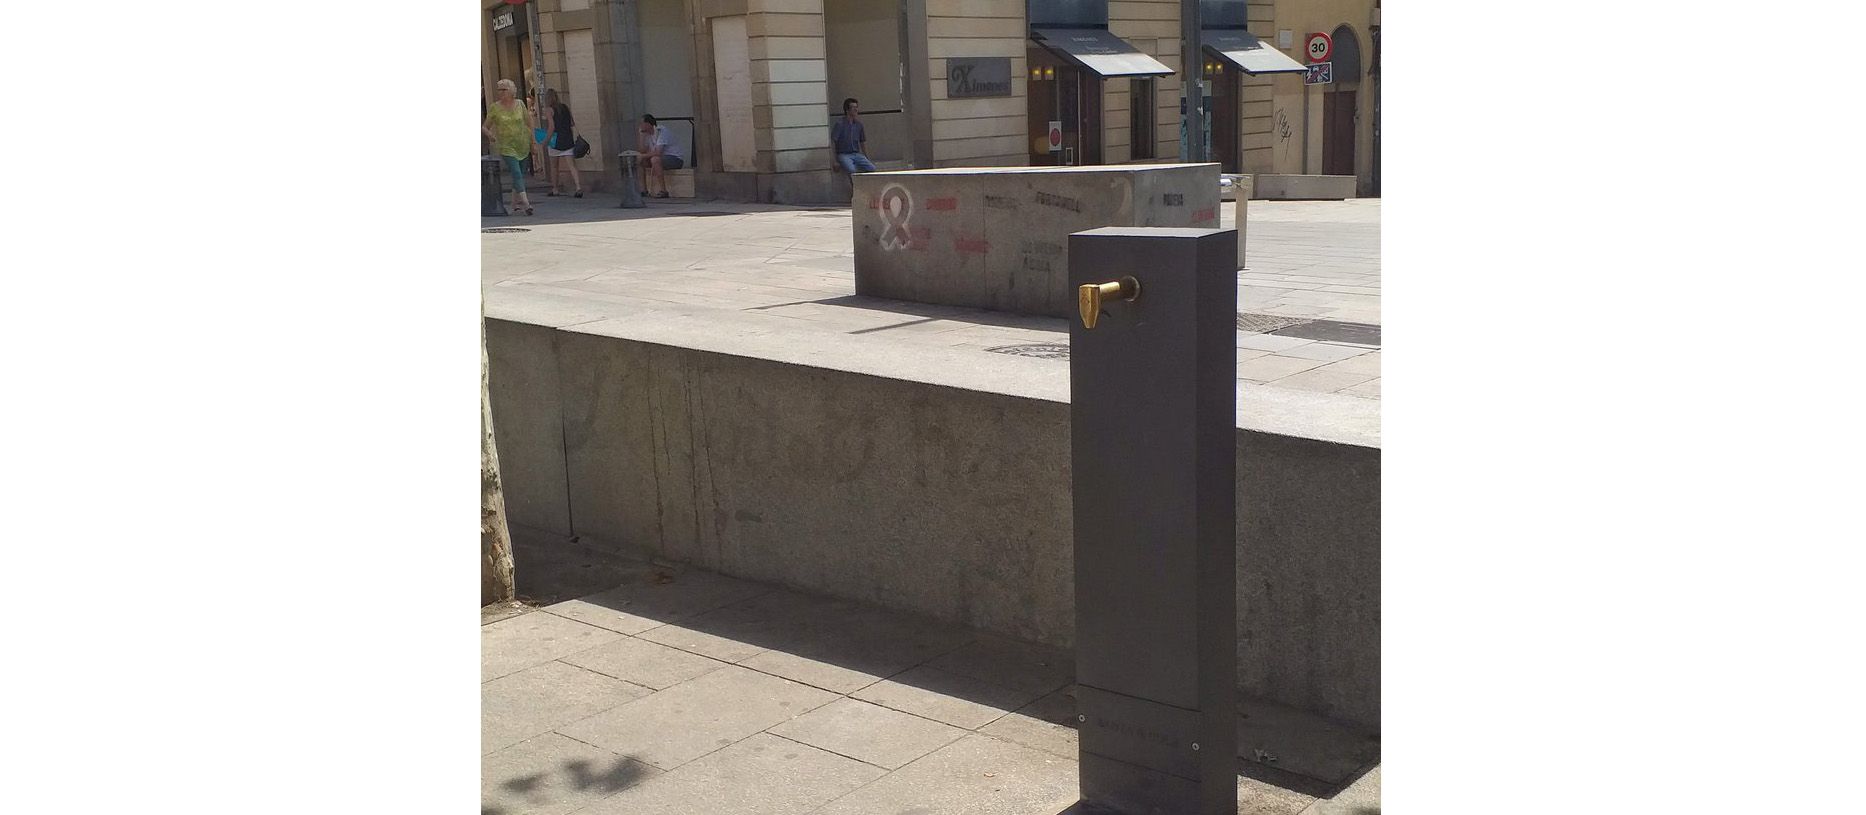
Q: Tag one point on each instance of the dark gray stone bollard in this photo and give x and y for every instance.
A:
(491, 189)
(1153, 438)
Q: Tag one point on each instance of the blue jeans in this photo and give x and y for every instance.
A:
(518, 176)
(852, 162)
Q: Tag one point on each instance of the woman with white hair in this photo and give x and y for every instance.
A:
(509, 125)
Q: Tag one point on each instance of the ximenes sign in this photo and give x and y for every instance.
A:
(970, 77)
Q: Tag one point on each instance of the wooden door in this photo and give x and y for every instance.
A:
(1089, 126)
(1338, 132)
(1227, 119)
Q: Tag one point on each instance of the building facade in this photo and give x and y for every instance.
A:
(750, 88)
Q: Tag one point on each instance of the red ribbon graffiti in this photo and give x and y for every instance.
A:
(896, 208)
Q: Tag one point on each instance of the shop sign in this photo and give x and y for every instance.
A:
(1321, 73)
(1056, 136)
(973, 77)
(502, 21)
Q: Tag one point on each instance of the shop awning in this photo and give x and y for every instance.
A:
(1100, 52)
(1247, 53)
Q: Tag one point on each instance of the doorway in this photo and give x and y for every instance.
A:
(1226, 115)
(1062, 92)
(1338, 110)
(1340, 105)
(864, 62)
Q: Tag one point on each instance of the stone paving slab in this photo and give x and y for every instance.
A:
(1033, 669)
(1289, 740)
(761, 775)
(666, 596)
(978, 775)
(989, 730)
(868, 732)
(1324, 380)
(672, 727)
(813, 672)
(794, 268)
(531, 702)
(724, 649)
(957, 700)
(514, 644)
(1046, 724)
(553, 774)
(649, 664)
(1360, 798)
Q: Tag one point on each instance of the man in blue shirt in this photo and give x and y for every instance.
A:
(850, 140)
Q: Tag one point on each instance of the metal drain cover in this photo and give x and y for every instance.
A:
(505, 229)
(1039, 350)
(706, 213)
(1333, 331)
(1266, 323)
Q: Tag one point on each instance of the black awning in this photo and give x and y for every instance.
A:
(1247, 53)
(1100, 52)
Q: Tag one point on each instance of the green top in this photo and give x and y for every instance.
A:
(510, 135)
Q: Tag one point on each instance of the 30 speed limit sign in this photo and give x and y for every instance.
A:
(1320, 47)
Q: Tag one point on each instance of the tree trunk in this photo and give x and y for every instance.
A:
(495, 566)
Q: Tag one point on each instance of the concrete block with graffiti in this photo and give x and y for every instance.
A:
(996, 237)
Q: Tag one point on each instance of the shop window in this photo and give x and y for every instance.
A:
(1141, 110)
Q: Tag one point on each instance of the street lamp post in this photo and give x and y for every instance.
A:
(537, 69)
(1192, 74)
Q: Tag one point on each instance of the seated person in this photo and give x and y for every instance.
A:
(850, 140)
(658, 153)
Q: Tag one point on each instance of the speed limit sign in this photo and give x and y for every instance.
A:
(1320, 47)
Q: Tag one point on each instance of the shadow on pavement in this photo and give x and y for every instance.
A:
(929, 311)
(599, 207)
(928, 667)
(579, 777)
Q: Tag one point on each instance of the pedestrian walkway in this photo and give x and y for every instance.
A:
(1308, 299)
(686, 692)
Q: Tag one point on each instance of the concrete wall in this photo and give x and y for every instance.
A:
(985, 132)
(947, 501)
(997, 238)
(1260, 134)
(1153, 27)
(788, 96)
(1303, 187)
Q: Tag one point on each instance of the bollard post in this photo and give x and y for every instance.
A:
(1153, 444)
(491, 190)
(631, 184)
(1246, 187)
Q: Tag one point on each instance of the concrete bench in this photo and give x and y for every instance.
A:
(997, 237)
(1284, 187)
(680, 183)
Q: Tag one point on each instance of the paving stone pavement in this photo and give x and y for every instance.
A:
(682, 691)
(1305, 260)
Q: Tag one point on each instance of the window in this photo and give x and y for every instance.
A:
(1140, 111)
